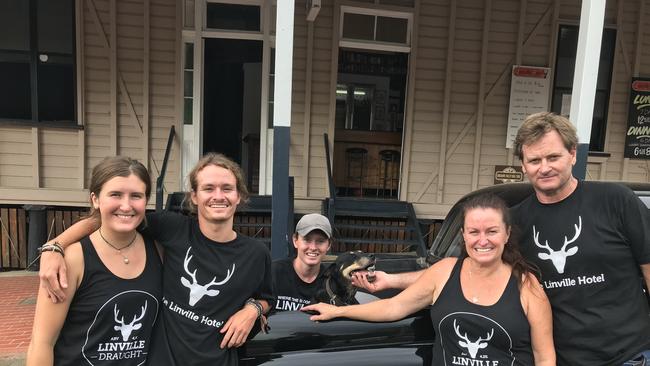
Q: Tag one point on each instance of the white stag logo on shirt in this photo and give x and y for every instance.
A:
(472, 346)
(127, 329)
(197, 291)
(558, 257)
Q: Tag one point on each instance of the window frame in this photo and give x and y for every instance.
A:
(597, 146)
(372, 44)
(31, 58)
(188, 71)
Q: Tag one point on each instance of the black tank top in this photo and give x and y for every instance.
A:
(110, 319)
(472, 334)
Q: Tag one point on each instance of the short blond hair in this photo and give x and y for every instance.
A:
(222, 161)
(539, 124)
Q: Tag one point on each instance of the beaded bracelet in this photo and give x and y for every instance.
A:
(257, 305)
(52, 247)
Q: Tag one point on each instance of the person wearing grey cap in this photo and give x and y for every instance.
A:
(296, 280)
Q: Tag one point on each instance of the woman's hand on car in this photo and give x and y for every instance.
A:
(322, 311)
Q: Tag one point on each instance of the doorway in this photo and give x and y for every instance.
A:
(369, 120)
(231, 105)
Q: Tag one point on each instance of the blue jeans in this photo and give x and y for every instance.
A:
(642, 359)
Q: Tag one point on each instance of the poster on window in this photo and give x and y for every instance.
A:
(529, 91)
(637, 137)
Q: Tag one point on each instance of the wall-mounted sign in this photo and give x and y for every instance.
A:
(637, 137)
(508, 174)
(529, 89)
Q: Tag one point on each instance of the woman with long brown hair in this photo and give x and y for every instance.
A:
(112, 302)
(486, 305)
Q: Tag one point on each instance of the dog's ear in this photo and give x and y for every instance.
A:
(342, 267)
(344, 259)
(332, 268)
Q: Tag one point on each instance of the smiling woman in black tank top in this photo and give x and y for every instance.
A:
(114, 280)
(488, 307)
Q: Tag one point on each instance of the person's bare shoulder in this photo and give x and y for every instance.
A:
(442, 268)
(73, 252)
(439, 274)
(531, 292)
(445, 264)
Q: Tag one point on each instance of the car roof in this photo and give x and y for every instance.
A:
(513, 193)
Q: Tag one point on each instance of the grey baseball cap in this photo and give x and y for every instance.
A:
(314, 221)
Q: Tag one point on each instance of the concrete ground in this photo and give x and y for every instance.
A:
(12, 360)
(16, 315)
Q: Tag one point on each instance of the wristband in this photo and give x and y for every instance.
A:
(58, 245)
(257, 305)
(52, 247)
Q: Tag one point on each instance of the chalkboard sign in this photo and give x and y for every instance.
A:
(637, 136)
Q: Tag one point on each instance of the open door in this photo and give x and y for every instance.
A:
(370, 99)
(231, 107)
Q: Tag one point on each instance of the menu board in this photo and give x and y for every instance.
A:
(637, 136)
(529, 91)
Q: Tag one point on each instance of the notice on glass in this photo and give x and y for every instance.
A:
(529, 90)
(637, 137)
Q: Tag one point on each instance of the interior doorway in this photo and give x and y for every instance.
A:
(370, 100)
(231, 106)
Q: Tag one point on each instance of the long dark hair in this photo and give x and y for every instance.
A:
(511, 254)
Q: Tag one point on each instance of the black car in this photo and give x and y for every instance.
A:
(295, 340)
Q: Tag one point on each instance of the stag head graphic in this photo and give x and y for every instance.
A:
(127, 329)
(197, 291)
(558, 257)
(472, 346)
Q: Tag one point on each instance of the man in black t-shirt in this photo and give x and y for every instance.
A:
(296, 280)
(589, 240)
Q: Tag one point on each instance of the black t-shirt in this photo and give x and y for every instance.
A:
(291, 291)
(204, 284)
(110, 319)
(598, 237)
(472, 334)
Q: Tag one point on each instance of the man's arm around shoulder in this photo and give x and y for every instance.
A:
(53, 271)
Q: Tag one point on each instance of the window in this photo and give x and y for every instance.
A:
(188, 84)
(361, 28)
(271, 98)
(371, 90)
(354, 106)
(234, 17)
(563, 83)
(37, 60)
